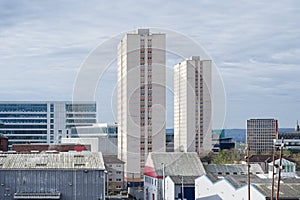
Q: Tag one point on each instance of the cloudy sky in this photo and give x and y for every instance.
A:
(254, 44)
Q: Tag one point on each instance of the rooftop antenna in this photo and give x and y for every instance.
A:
(297, 126)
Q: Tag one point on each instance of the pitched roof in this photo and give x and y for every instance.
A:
(266, 158)
(287, 190)
(63, 160)
(112, 159)
(176, 163)
(233, 168)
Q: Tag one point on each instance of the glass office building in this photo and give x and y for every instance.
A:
(44, 122)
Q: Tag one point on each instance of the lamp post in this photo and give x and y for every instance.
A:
(163, 171)
(248, 167)
(106, 180)
(182, 188)
(279, 168)
(273, 171)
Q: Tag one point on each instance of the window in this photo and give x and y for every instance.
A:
(51, 108)
(118, 180)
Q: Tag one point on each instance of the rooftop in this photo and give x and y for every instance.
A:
(63, 160)
(234, 169)
(176, 163)
(112, 159)
(287, 190)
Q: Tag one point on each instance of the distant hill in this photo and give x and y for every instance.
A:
(239, 135)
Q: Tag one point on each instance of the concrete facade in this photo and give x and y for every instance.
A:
(141, 99)
(192, 105)
(260, 135)
(101, 136)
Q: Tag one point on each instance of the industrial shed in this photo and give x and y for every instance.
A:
(64, 176)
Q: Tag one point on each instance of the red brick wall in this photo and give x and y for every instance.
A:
(44, 147)
(3, 144)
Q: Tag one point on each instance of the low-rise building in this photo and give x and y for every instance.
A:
(115, 174)
(264, 160)
(178, 186)
(160, 165)
(64, 176)
(231, 181)
(209, 187)
(289, 168)
(102, 137)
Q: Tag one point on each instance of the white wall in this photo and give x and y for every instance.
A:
(152, 187)
(205, 188)
(170, 189)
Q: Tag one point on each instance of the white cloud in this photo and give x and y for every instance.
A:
(43, 44)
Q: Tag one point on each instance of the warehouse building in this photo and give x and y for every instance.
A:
(64, 176)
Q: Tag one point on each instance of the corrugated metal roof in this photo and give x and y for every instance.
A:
(63, 160)
(287, 190)
(233, 168)
(178, 163)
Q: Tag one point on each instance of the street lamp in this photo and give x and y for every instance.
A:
(106, 178)
(163, 171)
